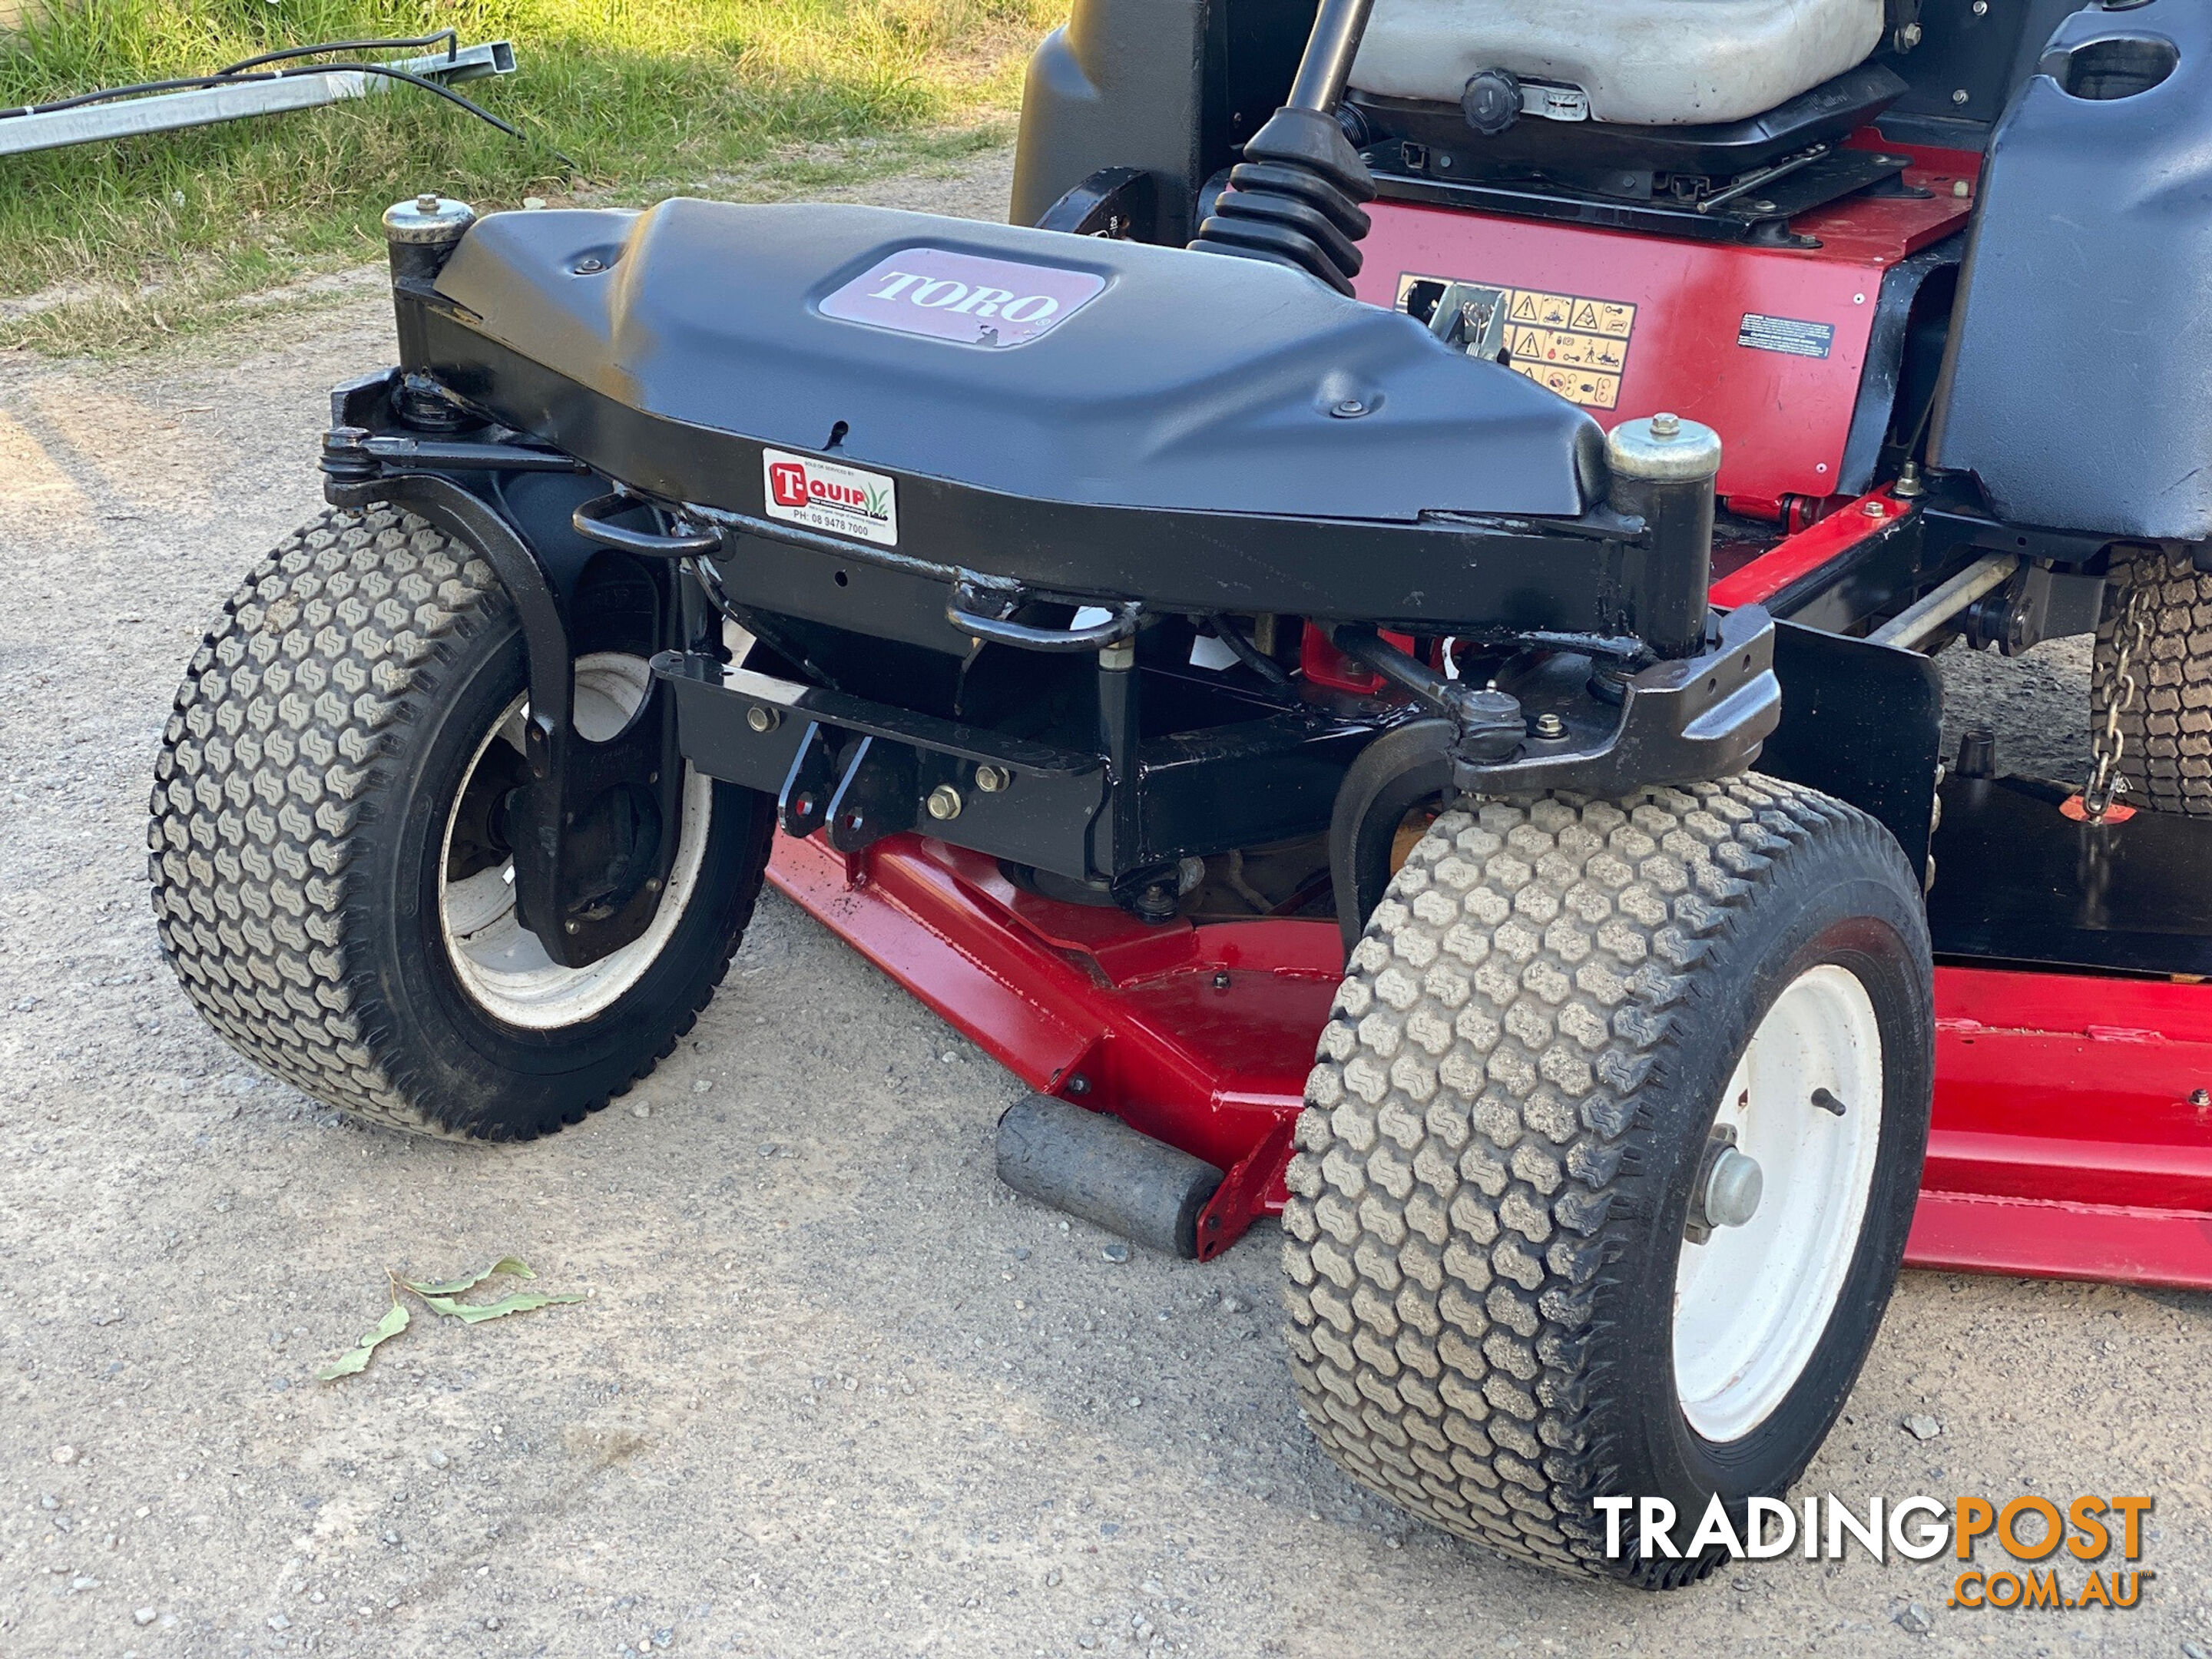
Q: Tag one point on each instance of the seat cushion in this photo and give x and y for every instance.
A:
(1645, 63)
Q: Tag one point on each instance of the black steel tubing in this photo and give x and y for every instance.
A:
(1330, 49)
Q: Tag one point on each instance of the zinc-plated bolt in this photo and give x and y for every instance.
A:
(762, 717)
(427, 203)
(1959, 96)
(1732, 1193)
(1666, 426)
(1348, 409)
(575, 926)
(1549, 726)
(945, 802)
(992, 779)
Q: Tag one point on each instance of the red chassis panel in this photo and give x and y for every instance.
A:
(1765, 345)
(2067, 1140)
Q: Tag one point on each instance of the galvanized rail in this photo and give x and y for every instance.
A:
(271, 94)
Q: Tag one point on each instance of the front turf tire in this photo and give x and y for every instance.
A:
(301, 841)
(1511, 1104)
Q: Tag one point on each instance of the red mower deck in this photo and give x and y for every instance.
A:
(2068, 1140)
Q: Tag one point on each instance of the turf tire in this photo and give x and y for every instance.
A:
(2165, 724)
(297, 825)
(1510, 1103)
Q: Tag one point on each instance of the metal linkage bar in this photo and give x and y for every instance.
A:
(275, 94)
(1911, 626)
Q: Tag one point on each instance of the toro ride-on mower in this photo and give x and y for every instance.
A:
(1426, 539)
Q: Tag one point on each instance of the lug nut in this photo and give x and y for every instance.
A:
(1732, 1192)
(945, 802)
(762, 717)
(992, 779)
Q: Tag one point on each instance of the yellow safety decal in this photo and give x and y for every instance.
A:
(1574, 344)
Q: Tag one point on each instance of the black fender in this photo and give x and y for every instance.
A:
(1404, 767)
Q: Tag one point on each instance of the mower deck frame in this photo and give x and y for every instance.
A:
(2068, 1140)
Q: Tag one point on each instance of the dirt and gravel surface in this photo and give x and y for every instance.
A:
(833, 1391)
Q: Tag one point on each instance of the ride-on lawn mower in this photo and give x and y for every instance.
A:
(1469, 609)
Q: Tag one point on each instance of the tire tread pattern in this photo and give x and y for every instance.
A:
(274, 757)
(1463, 1185)
(2165, 730)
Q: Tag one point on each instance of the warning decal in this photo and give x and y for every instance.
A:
(1788, 335)
(1574, 344)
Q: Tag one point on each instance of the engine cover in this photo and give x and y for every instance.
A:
(1036, 364)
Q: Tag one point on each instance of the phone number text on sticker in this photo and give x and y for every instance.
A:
(844, 500)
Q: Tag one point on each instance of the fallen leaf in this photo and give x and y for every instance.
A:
(357, 1358)
(506, 1264)
(521, 1302)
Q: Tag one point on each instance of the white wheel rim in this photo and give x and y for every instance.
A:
(1751, 1304)
(498, 961)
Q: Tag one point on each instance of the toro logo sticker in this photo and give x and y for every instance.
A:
(943, 295)
(822, 495)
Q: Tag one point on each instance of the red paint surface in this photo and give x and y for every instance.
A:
(2065, 1142)
(1783, 419)
(1806, 551)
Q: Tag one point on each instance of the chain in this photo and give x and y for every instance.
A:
(2130, 634)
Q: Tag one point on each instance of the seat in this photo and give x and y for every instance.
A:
(1640, 63)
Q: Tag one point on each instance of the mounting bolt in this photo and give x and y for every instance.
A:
(575, 926)
(1549, 725)
(1664, 425)
(992, 779)
(590, 264)
(2200, 1098)
(945, 802)
(427, 203)
(1079, 1084)
(1960, 188)
(653, 883)
(1221, 979)
(1875, 510)
(1348, 409)
(763, 719)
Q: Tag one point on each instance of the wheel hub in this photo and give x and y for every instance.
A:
(1777, 1201)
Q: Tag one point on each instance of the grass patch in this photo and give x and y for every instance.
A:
(146, 237)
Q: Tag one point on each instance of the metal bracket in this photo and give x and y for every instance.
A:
(1681, 721)
(1117, 203)
(802, 806)
(594, 831)
(876, 796)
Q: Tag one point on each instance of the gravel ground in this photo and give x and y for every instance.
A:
(834, 1390)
